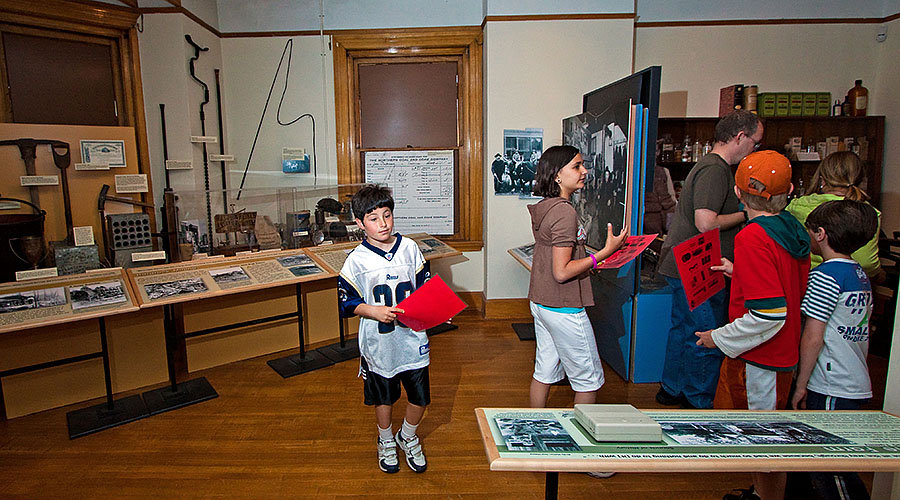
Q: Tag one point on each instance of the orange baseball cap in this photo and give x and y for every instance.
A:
(769, 168)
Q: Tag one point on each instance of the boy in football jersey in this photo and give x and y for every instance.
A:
(382, 271)
(833, 374)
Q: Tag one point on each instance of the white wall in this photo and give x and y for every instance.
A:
(692, 10)
(207, 10)
(249, 69)
(699, 60)
(300, 15)
(166, 80)
(529, 7)
(886, 101)
(535, 75)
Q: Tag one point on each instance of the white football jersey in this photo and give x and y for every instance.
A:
(375, 277)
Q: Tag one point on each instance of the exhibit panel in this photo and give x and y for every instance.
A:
(53, 319)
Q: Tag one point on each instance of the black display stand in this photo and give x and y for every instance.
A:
(98, 417)
(344, 349)
(176, 395)
(443, 327)
(304, 361)
(525, 331)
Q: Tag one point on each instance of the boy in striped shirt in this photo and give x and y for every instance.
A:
(833, 374)
(762, 341)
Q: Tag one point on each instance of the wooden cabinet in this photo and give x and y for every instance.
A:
(778, 132)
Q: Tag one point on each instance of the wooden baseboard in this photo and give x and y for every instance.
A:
(506, 308)
(473, 300)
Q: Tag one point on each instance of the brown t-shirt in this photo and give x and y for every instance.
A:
(709, 185)
(555, 224)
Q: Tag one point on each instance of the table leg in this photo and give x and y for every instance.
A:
(304, 361)
(551, 488)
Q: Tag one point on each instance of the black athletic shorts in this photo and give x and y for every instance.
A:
(380, 390)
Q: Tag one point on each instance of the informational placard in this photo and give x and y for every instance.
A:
(544, 435)
(179, 165)
(209, 139)
(91, 166)
(693, 259)
(215, 157)
(422, 185)
(39, 180)
(132, 183)
(84, 235)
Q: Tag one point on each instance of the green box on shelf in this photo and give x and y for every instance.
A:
(823, 103)
(782, 103)
(765, 103)
(809, 103)
(795, 106)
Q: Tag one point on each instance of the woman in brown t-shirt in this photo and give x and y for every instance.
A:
(560, 287)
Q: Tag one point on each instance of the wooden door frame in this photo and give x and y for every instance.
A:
(401, 45)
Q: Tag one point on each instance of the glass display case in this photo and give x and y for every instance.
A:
(225, 222)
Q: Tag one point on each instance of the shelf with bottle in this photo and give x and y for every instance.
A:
(779, 131)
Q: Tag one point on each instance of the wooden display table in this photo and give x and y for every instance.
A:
(551, 441)
(186, 284)
(47, 302)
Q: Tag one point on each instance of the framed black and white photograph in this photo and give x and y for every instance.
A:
(535, 434)
(179, 287)
(96, 294)
(513, 170)
(32, 299)
(602, 138)
(228, 274)
(295, 260)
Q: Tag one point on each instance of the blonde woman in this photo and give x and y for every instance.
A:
(838, 177)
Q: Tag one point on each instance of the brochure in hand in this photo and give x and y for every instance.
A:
(430, 305)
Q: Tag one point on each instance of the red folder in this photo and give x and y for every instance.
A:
(430, 305)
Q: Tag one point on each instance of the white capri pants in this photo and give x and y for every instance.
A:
(566, 346)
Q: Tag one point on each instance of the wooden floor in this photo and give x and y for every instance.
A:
(310, 436)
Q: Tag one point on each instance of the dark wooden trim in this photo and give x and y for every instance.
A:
(269, 34)
(186, 12)
(760, 22)
(60, 14)
(891, 18)
(557, 17)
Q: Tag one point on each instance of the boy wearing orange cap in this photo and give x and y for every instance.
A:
(771, 263)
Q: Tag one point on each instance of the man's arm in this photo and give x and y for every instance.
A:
(706, 219)
(811, 344)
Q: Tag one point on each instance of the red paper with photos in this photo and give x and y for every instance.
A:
(694, 258)
(630, 249)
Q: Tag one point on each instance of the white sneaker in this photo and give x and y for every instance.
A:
(412, 448)
(387, 456)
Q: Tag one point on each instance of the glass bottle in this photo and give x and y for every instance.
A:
(686, 147)
(707, 148)
(845, 106)
(668, 149)
(859, 99)
(696, 151)
(837, 109)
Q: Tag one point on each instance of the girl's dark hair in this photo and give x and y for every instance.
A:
(553, 159)
(370, 197)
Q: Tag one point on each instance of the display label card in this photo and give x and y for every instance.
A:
(694, 258)
(179, 165)
(630, 249)
(244, 252)
(213, 157)
(110, 153)
(39, 180)
(145, 256)
(91, 166)
(209, 139)
(10, 205)
(84, 235)
(36, 274)
(132, 183)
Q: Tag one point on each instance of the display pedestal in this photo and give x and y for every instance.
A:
(337, 353)
(525, 331)
(184, 394)
(299, 363)
(443, 327)
(104, 416)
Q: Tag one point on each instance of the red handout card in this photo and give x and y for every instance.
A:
(430, 305)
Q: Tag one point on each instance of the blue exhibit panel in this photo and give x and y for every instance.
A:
(651, 332)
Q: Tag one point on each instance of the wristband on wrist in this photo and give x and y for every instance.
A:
(594, 259)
